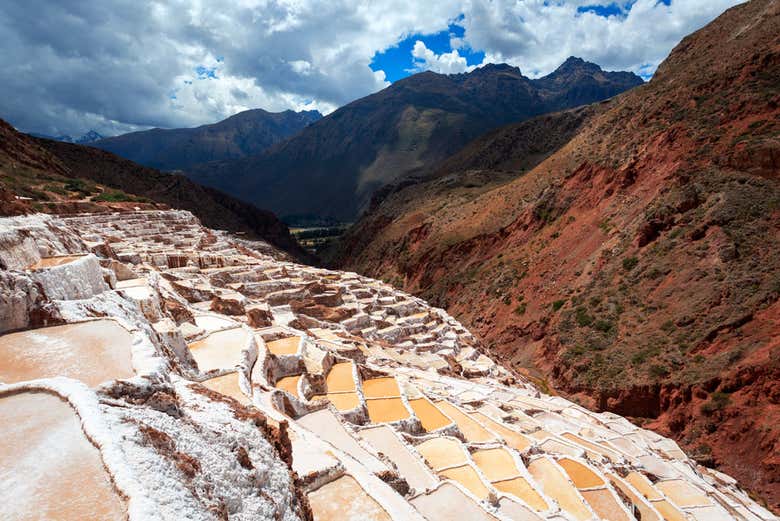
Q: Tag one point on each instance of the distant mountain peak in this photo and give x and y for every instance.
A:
(497, 68)
(89, 137)
(242, 134)
(575, 64)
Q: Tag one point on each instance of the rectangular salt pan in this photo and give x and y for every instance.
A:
(48, 468)
(93, 352)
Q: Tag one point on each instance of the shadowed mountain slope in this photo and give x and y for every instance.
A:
(332, 168)
(60, 177)
(244, 134)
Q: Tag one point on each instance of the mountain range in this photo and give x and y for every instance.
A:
(623, 253)
(332, 168)
(85, 139)
(38, 174)
(244, 134)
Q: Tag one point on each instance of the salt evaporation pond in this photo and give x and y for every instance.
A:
(92, 352)
(220, 350)
(48, 468)
(345, 500)
(228, 385)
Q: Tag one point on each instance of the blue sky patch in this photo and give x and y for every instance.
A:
(397, 61)
(612, 9)
(206, 72)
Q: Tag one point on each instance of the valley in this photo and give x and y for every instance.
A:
(420, 286)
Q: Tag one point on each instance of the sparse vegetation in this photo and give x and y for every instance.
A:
(718, 401)
(630, 263)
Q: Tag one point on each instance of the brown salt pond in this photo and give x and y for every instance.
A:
(603, 502)
(384, 440)
(92, 352)
(48, 468)
(473, 431)
(344, 401)
(381, 387)
(495, 464)
(344, 500)
(668, 511)
(683, 494)
(556, 486)
(228, 385)
(512, 438)
(289, 384)
(340, 378)
(284, 346)
(442, 452)
(220, 350)
(643, 485)
(50, 262)
(468, 477)
(430, 416)
(384, 410)
(647, 513)
(582, 476)
(521, 489)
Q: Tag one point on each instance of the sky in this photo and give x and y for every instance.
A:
(121, 65)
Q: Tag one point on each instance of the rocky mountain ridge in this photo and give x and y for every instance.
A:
(244, 134)
(332, 168)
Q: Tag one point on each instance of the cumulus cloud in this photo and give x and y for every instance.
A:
(538, 35)
(444, 63)
(121, 65)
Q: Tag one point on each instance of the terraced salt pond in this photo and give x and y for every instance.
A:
(384, 410)
(647, 513)
(48, 468)
(329, 428)
(345, 500)
(473, 431)
(220, 350)
(557, 487)
(284, 346)
(339, 378)
(343, 401)
(495, 464)
(380, 387)
(448, 502)
(385, 440)
(468, 477)
(520, 488)
(581, 475)
(51, 262)
(93, 352)
(442, 452)
(513, 439)
(683, 494)
(289, 384)
(604, 504)
(228, 385)
(430, 416)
